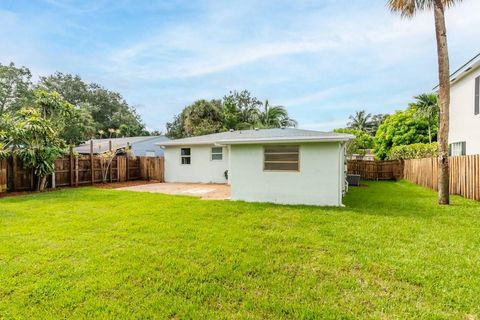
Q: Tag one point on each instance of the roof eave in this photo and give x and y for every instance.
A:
(262, 140)
(284, 140)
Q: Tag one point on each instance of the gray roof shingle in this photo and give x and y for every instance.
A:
(260, 135)
(102, 145)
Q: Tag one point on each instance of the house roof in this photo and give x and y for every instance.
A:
(103, 145)
(464, 70)
(284, 135)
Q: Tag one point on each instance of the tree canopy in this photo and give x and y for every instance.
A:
(237, 111)
(362, 142)
(32, 133)
(95, 108)
(402, 128)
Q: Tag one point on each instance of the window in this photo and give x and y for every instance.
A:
(477, 95)
(217, 153)
(186, 155)
(281, 158)
(458, 149)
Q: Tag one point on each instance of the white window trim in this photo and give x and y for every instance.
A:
(182, 156)
(456, 149)
(216, 153)
(298, 162)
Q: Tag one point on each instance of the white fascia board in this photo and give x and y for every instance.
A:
(285, 140)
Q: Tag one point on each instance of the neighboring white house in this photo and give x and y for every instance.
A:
(141, 146)
(464, 134)
(288, 166)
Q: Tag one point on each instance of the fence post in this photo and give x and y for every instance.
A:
(91, 162)
(71, 165)
(110, 169)
(127, 175)
(14, 173)
(76, 171)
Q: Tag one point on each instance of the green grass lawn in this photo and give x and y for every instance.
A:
(92, 253)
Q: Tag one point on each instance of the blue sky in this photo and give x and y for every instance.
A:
(321, 59)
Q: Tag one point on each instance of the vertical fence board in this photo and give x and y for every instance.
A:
(3, 175)
(464, 174)
(375, 170)
(74, 170)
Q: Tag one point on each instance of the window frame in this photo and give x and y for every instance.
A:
(281, 161)
(463, 148)
(189, 156)
(216, 153)
(476, 109)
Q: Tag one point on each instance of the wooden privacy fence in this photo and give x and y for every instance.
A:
(464, 174)
(3, 175)
(376, 170)
(76, 170)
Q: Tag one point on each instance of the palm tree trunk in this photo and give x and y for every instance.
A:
(444, 99)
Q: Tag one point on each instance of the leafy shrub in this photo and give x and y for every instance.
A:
(414, 151)
(403, 128)
(361, 142)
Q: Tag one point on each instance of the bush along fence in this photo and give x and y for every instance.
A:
(464, 174)
(76, 170)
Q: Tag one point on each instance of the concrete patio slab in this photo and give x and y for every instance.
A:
(204, 191)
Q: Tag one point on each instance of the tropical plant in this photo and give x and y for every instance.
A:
(362, 142)
(413, 151)
(401, 128)
(275, 117)
(426, 105)
(360, 121)
(237, 111)
(408, 8)
(33, 134)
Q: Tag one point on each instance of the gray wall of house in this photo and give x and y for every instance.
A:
(149, 147)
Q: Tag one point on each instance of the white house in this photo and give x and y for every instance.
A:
(288, 166)
(464, 134)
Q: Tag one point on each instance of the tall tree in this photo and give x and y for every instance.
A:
(408, 8)
(247, 107)
(107, 109)
(201, 117)
(15, 88)
(426, 105)
(360, 121)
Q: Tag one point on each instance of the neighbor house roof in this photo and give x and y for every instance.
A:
(283, 135)
(464, 70)
(103, 145)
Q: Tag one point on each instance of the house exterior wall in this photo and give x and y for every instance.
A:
(201, 170)
(320, 180)
(464, 124)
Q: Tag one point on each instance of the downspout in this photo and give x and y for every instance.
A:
(341, 173)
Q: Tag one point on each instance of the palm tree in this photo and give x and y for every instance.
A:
(408, 8)
(360, 121)
(426, 106)
(275, 117)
